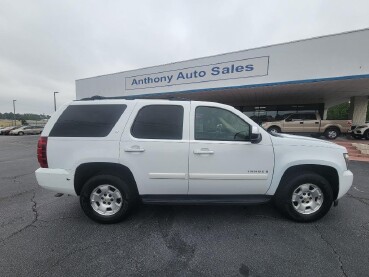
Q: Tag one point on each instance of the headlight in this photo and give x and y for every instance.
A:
(346, 156)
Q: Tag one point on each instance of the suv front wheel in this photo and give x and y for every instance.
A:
(106, 198)
(305, 197)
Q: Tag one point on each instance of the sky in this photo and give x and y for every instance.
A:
(46, 45)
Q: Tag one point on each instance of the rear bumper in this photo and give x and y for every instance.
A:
(58, 180)
(345, 183)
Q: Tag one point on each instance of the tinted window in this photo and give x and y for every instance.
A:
(159, 122)
(218, 124)
(87, 120)
(309, 116)
(295, 117)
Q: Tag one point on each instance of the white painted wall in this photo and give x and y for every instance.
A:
(331, 56)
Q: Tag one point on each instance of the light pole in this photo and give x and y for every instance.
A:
(15, 122)
(55, 92)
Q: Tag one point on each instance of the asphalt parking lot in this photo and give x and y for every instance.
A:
(44, 235)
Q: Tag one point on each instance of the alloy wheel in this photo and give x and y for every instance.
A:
(307, 198)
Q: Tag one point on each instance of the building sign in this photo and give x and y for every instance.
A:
(239, 69)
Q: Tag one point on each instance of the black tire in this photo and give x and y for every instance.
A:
(283, 196)
(128, 200)
(274, 129)
(20, 133)
(366, 134)
(332, 133)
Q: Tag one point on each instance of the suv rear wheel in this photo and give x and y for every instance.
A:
(305, 197)
(107, 198)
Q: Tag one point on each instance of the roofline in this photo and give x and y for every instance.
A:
(233, 52)
(295, 82)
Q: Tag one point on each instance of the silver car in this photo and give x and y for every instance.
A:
(27, 130)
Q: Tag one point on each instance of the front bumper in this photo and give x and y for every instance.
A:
(58, 180)
(346, 179)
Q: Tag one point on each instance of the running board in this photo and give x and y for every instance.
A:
(205, 199)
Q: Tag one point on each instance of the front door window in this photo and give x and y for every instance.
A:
(213, 123)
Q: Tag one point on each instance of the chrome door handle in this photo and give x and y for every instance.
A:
(134, 149)
(203, 151)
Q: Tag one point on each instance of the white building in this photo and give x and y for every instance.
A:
(310, 74)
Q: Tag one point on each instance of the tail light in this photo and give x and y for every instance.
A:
(41, 152)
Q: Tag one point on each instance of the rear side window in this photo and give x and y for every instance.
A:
(158, 122)
(87, 120)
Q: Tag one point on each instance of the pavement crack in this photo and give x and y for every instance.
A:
(34, 208)
(360, 199)
(59, 218)
(365, 226)
(17, 176)
(333, 250)
(35, 218)
(16, 195)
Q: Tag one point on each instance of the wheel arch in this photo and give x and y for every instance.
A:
(328, 172)
(334, 127)
(275, 126)
(87, 170)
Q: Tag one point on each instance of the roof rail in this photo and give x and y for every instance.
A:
(99, 97)
(133, 97)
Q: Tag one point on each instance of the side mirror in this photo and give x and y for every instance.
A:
(255, 135)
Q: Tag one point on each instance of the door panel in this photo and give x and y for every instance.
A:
(239, 168)
(311, 123)
(293, 124)
(159, 165)
(224, 166)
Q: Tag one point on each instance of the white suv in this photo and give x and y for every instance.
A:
(360, 131)
(116, 153)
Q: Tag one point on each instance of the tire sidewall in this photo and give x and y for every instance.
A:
(118, 183)
(277, 130)
(326, 133)
(366, 134)
(284, 199)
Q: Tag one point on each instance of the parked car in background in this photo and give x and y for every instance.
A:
(6, 130)
(360, 131)
(27, 130)
(308, 123)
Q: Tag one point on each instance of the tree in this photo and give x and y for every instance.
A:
(340, 111)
